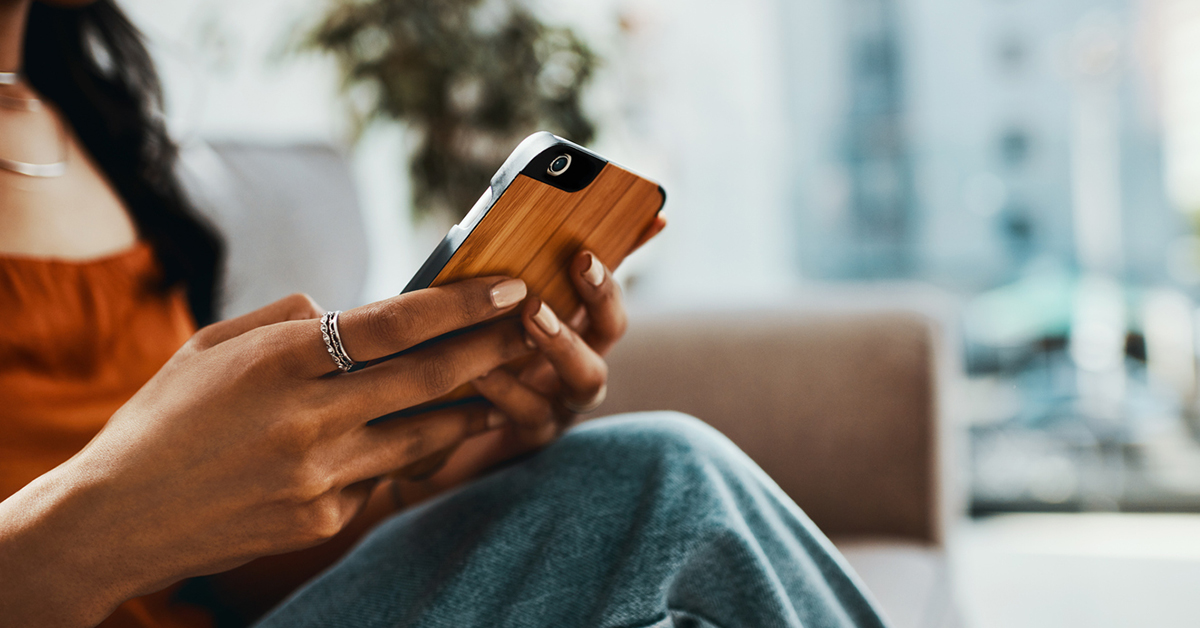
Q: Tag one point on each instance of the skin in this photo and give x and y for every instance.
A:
(75, 216)
(247, 420)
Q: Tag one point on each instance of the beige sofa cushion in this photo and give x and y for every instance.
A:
(838, 408)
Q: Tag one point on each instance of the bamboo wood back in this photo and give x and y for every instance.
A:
(534, 230)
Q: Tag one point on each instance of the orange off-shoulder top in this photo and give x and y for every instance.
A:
(77, 340)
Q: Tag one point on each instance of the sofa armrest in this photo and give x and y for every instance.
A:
(839, 409)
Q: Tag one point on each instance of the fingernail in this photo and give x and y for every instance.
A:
(595, 272)
(508, 293)
(495, 419)
(546, 319)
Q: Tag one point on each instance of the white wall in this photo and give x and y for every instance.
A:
(690, 94)
(701, 84)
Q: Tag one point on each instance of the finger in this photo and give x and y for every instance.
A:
(393, 325)
(582, 371)
(383, 448)
(290, 308)
(532, 415)
(602, 299)
(579, 320)
(422, 375)
(654, 229)
(354, 498)
(539, 374)
(425, 468)
(387, 327)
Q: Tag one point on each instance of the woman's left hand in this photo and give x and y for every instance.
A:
(570, 376)
(543, 398)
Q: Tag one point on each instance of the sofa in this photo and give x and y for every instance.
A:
(839, 406)
(836, 396)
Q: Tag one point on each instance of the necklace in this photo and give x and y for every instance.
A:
(10, 102)
(55, 169)
(20, 104)
(41, 171)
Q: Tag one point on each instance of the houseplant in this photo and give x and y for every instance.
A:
(470, 78)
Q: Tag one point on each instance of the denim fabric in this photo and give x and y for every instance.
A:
(639, 520)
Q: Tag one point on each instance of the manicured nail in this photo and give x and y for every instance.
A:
(595, 272)
(495, 419)
(546, 319)
(508, 293)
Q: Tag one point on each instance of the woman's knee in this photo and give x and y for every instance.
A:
(649, 438)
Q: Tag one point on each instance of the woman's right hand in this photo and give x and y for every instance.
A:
(243, 445)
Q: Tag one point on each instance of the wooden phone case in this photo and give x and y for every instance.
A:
(534, 230)
(530, 226)
(524, 226)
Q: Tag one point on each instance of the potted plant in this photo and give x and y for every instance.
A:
(471, 78)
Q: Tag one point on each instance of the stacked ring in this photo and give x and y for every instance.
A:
(333, 341)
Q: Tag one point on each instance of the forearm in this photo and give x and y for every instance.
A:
(55, 568)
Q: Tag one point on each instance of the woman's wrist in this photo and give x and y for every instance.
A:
(60, 563)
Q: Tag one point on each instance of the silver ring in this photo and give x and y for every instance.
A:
(333, 341)
(588, 406)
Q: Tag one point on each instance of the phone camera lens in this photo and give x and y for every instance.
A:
(559, 165)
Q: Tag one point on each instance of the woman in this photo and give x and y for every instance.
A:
(136, 452)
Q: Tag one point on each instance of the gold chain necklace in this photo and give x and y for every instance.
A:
(30, 105)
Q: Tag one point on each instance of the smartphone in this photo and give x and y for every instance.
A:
(550, 200)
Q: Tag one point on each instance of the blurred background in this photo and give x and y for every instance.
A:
(1027, 173)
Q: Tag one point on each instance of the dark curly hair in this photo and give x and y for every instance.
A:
(92, 64)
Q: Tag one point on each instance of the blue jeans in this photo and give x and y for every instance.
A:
(639, 520)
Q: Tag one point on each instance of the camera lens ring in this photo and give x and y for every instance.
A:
(563, 159)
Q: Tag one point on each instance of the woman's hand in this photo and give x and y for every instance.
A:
(540, 400)
(244, 445)
(533, 413)
(570, 375)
